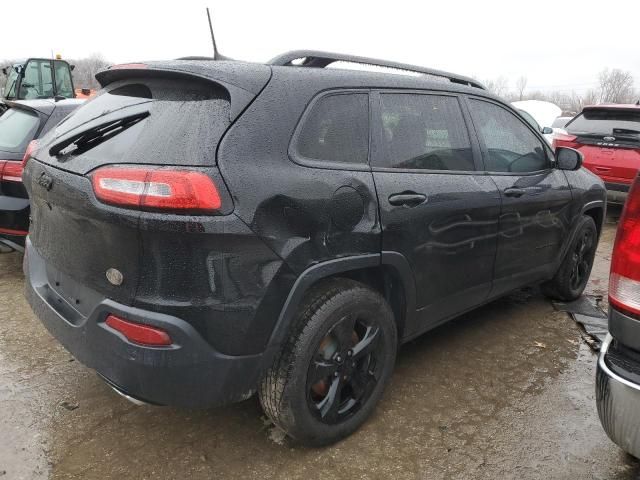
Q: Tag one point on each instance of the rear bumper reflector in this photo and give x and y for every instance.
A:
(139, 333)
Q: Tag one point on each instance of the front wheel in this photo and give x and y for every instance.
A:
(333, 369)
(572, 276)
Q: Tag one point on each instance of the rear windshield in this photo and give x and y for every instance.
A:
(17, 129)
(152, 121)
(605, 122)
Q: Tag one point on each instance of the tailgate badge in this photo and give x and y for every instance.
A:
(609, 139)
(114, 276)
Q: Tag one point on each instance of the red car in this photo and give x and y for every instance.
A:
(609, 138)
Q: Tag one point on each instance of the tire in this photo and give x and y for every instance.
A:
(571, 278)
(333, 369)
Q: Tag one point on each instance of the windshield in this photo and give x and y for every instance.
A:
(605, 121)
(37, 81)
(17, 129)
(64, 84)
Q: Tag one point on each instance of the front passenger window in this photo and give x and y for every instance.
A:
(510, 145)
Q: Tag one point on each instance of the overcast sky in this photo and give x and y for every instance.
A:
(556, 44)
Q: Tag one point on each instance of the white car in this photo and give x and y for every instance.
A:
(544, 114)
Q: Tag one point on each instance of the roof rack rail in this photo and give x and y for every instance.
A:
(319, 59)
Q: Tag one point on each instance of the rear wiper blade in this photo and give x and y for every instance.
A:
(87, 139)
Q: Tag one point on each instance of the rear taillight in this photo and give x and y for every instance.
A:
(624, 281)
(33, 144)
(10, 171)
(156, 189)
(563, 139)
(139, 333)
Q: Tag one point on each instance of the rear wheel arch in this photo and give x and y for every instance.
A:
(595, 210)
(388, 273)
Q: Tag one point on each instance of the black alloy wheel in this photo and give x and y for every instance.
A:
(582, 259)
(345, 369)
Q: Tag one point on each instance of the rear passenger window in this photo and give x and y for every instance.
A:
(510, 145)
(425, 132)
(337, 129)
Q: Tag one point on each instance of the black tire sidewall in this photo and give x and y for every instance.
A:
(304, 426)
(562, 280)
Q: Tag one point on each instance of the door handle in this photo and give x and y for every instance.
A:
(514, 192)
(407, 199)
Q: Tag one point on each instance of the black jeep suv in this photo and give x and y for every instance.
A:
(202, 230)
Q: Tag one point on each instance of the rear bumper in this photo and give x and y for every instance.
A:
(14, 220)
(189, 373)
(618, 402)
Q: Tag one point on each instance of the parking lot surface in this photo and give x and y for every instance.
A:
(506, 391)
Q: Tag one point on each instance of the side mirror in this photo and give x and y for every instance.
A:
(568, 158)
(547, 131)
(4, 71)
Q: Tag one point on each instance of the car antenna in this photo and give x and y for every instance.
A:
(216, 54)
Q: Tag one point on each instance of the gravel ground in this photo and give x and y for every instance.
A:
(506, 391)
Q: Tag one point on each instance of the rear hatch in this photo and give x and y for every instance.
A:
(609, 138)
(156, 119)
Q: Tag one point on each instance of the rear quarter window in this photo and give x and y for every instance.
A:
(17, 129)
(336, 130)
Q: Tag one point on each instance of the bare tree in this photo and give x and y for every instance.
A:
(86, 69)
(591, 97)
(575, 104)
(499, 86)
(616, 86)
(521, 85)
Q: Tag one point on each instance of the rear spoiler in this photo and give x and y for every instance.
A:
(613, 108)
(7, 104)
(243, 81)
